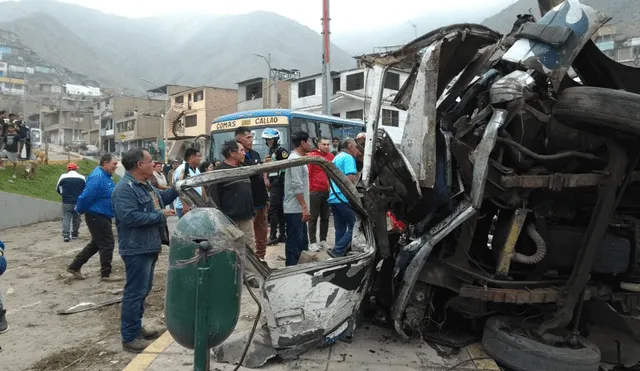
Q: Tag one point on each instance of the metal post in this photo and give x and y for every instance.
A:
(268, 89)
(327, 88)
(165, 125)
(24, 88)
(274, 97)
(202, 356)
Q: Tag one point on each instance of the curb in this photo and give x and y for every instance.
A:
(143, 360)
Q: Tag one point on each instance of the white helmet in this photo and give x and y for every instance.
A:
(270, 133)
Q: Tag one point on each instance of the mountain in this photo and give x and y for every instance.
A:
(625, 14)
(365, 40)
(42, 33)
(193, 50)
(497, 14)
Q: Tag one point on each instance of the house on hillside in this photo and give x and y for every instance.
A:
(260, 93)
(69, 120)
(619, 47)
(110, 110)
(190, 115)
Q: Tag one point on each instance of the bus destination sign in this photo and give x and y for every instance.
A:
(250, 122)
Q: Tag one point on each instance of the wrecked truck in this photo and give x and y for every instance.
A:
(517, 178)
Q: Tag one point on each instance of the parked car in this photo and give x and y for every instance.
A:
(90, 150)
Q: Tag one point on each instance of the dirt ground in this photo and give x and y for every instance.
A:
(35, 287)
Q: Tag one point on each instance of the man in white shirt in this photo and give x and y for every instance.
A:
(192, 158)
(296, 201)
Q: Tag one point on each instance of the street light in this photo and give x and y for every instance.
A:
(166, 117)
(268, 60)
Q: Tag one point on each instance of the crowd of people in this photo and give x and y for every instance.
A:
(14, 137)
(281, 201)
(288, 203)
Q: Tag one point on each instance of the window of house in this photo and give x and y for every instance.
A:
(335, 114)
(392, 81)
(336, 85)
(198, 96)
(306, 88)
(190, 121)
(179, 100)
(254, 91)
(390, 118)
(355, 115)
(355, 81)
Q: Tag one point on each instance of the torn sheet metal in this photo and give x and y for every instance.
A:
(419, 136)
(315, 307)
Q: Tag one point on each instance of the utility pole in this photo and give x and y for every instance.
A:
(274, 98)
(269, 89)
(327, 89)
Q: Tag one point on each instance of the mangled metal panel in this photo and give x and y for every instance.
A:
(437, 58)
(315, 308)
(554, 61)
(419, 136)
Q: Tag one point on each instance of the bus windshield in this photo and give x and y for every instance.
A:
(259, 145)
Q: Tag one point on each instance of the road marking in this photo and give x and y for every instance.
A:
(143, 360)
(24, 307)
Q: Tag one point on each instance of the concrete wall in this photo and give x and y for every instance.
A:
(26, 210)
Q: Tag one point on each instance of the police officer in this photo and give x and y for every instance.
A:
(276, 181)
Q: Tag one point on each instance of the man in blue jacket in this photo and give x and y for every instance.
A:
(70, 186)
(95, 202)
(141, 221)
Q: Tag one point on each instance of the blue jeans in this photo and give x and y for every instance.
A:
(179, 212)
(343, 220)
(139, 280)
(297, 238)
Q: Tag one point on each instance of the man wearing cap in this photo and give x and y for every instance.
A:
(70, 186)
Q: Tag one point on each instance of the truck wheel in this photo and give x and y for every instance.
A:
(519, 353)
(599, 107)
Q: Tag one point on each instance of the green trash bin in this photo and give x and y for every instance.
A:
(204, 281)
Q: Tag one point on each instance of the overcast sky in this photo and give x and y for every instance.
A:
(346, 15)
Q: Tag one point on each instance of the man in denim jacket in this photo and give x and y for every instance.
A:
(140, 218)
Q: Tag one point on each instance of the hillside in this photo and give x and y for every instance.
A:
(209, 50)
(42, 33)
(625, 14)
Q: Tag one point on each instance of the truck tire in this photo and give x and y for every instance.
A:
(519, 353)
(599, 108)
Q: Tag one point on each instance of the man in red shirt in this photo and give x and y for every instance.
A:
(319, 194)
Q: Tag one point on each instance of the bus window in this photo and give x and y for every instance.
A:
(307, 126)
(325, 130)
(259, 145)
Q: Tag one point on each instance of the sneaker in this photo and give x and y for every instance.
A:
(324, 245)
(111, 278)
(272, 241)
(74, 237)
(149, 334)
(137, 345)
(66, 239)
(76, 274)
(314, 247)
(4, 326)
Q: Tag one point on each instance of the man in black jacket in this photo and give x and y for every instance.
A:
(244, 136)
(234, 197)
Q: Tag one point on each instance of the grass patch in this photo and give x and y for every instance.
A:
(43, 185)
